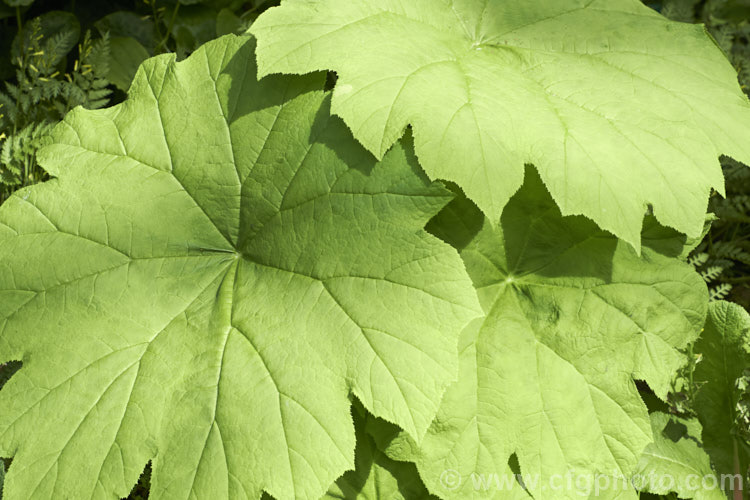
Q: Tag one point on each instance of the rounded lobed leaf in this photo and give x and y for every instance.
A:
(617, 107)
(217, 268)
(572, 317)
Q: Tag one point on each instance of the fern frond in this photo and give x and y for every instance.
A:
(18, 153)
(698, 259)
(711, 273)
(724, 36)
(719, 292)
(731, 250)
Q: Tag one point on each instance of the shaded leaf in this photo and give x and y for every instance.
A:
(722, 347)
(676, 462)
(376, 476)
(572, 317)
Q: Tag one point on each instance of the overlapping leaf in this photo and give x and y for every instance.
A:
(376, 476)
(572, 317)
(676, 461)
(615, 105)
(216, 269)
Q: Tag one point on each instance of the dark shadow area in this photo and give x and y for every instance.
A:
(7, 370)
(373, 436)
(248, 95)
(515, 468)
(331, 79)
(459, 222)
(675, 431)
(534, 237)
(141, 488)
(665, 240)
(332, 132)
(651, 400)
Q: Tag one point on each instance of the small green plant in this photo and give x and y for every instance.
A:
(43, 92)
(51, 77)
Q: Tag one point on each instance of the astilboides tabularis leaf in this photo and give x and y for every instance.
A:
(573, 316)
(216, 269)
(676, 461)
(616, 106)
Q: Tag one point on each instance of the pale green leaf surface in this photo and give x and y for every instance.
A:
(217, 268)
(376, 476)
(573, 316)
(616, 106)
(723, 359)
(676, 462)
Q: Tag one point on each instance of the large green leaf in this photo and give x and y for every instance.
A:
(676, 461)
(572, 317)
(216, 269)
(723, 349)
(616, 106)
